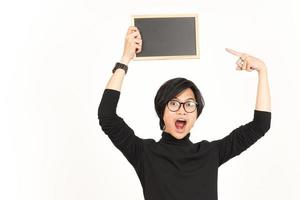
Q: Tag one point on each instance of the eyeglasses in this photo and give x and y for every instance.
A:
(189, 106)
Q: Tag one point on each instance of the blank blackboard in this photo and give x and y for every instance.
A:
(167, 36)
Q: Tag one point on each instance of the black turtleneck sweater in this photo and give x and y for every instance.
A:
(173, 169)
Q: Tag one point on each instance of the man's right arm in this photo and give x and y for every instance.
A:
(121, 135)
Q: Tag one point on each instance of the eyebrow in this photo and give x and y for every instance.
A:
(186, 99)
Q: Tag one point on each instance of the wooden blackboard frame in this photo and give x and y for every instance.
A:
(189, 56)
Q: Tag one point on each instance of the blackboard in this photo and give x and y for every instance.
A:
(168, 36)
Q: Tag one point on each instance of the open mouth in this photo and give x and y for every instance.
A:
(180, 123)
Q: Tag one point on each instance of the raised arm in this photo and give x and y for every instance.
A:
(246, 135)
(250, 63)
(121, 135)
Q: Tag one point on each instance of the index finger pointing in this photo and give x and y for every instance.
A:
(236, 53)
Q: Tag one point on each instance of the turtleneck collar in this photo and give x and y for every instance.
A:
(169, 139)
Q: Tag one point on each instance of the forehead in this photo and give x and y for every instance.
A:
(186, 94)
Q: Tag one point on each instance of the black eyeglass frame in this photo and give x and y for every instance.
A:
(182, 103)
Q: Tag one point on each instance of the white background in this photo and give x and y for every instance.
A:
(56, 58)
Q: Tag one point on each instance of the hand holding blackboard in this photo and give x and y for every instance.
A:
(132, 45)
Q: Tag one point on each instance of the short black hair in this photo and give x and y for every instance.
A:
(169, 90)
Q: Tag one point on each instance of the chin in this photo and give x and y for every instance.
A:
(179, 135)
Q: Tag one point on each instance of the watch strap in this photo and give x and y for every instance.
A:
(119, 65)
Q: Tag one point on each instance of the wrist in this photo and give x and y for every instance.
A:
(122, 66)
(263, 70)
(125, 60)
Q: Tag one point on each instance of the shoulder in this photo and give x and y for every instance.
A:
(148, 141)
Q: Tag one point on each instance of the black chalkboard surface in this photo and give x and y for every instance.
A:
(167, 36)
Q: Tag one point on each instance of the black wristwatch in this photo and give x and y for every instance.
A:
(120, 66)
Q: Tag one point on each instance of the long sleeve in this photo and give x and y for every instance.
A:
(121, 135)
(244, 136)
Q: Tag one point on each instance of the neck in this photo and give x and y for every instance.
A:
(167, 138)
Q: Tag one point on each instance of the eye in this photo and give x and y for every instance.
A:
(190, 104)
(173, 103)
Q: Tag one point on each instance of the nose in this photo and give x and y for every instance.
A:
(181, 110)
